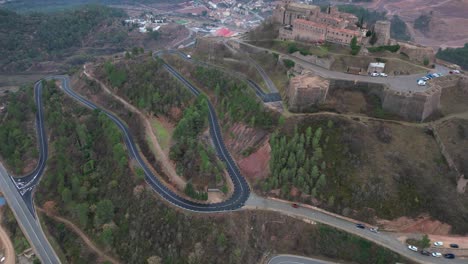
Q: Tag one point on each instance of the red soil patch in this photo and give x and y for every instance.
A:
(256, 166)
(422, 224)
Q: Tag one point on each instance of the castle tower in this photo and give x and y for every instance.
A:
(382, 30)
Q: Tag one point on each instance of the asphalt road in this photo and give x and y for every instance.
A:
(241, 188)
(292, 259)
(402, 83)
(265, 97)
(28, 223)
(381, 238)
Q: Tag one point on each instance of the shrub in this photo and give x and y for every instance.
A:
(391, 48)
(289, 63)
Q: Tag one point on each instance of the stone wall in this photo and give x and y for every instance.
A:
(417, 53)
(410, 106)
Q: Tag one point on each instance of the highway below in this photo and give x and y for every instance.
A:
(27, 220)
(292, 259)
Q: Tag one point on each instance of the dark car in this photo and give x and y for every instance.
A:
(425, 253)
(361, 226)
(295, 205)
(449, 256)
(453, 245)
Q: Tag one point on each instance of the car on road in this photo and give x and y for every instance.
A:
(189, 56)
(412, 248)
(375, 74)
(421, 82)
(454, 245)
(425, 253)
(295, 205)
(438, 243)
(374, 230)
(361, 226)
(449, 256)
(436, 254)
(383, 74)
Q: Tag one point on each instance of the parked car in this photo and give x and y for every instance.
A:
(454, 245)
(438, 243)
(421, 82)
(425, 78)
(449, 256)
(425, 253)
(436, 75)
(436, 254)
(383, 74)
(430, 76)
(362, 226)
(413, 248)
(295, 205)
(375, 74)
(374, 230)
(189, 56)
(454, 72)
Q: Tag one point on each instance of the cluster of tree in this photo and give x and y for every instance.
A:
(398, 29)
(455, 55)
(115, 76)
(195, 160)
(17, 140)
(234, 100)
(78, 168)
(355, 48)
(422, 23)
(148, 86)
(288, 63)
(298, 161)
(391, 48)
(364, 15)
(39, 36)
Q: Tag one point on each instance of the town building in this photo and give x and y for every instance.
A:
(306, 23)
(377, 67)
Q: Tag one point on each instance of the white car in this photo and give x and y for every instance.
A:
(383, 74)
(188, 56)
(413, 248)
(375, 74)
(438, 243)
(421, 83)
(436, 254)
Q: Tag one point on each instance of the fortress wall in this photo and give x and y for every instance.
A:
(410, 106)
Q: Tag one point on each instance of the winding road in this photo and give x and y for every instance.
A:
(18, 191)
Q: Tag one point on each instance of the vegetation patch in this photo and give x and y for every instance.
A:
(391, 48)
(455, 55)
(18, 145)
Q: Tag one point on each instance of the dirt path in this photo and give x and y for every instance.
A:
(10, 256)
(102, 256)
(160, 154)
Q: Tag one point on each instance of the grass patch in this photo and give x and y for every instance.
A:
(162, 133)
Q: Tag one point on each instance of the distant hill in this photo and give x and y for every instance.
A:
(54, 5)
(27, 38)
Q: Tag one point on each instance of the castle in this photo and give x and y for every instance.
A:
(306, 23)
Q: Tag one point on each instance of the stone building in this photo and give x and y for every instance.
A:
(306, 23)
(306, 91)
(382, 31)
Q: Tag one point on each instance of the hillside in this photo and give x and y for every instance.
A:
(448, 24)
(26, 39)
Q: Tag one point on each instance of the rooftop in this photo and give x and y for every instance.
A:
(310, 23)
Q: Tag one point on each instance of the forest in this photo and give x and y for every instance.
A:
(27, 38)
(455, 55)
(234, 100)
(398, 29)
(18, 144)
(195, 159)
